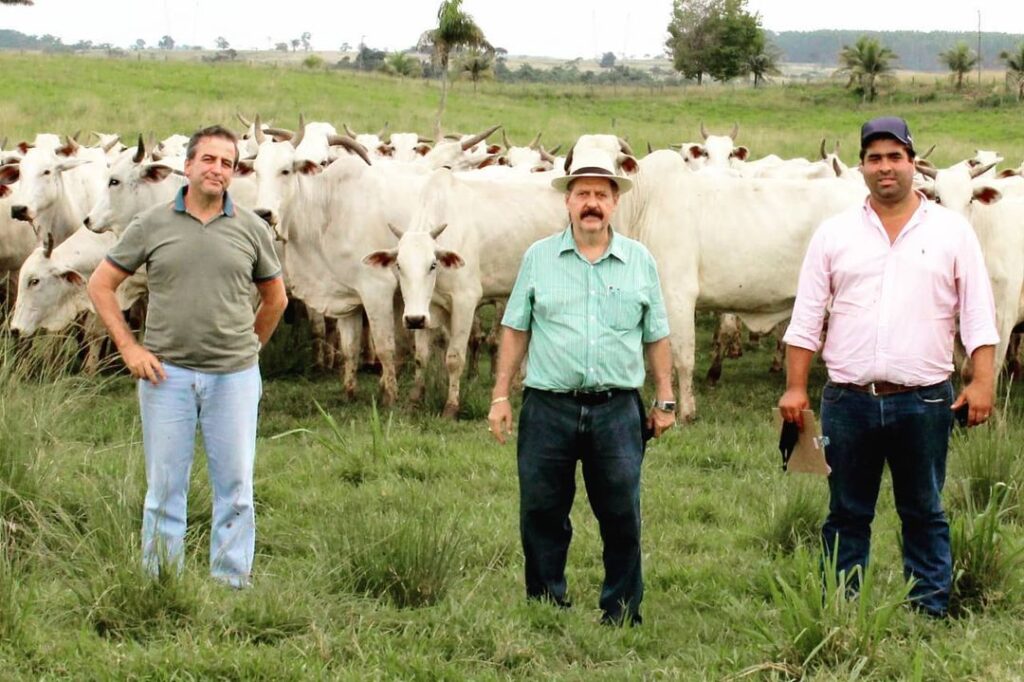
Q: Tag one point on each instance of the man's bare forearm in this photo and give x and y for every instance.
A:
(659, 358)
(511, 351)
(798, 367)
(273, 301)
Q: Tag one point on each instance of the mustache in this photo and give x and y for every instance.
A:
(596, 212)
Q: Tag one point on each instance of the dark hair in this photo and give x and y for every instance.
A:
(911, 154)
(211, 131)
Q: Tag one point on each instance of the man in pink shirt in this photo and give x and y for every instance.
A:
(894, 273)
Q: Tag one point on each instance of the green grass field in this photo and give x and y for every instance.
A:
(388, 539)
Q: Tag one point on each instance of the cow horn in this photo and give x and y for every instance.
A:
(822, 149)
(735, 131)
(48, 248)
(928, 153)
(836, 168)
(981, 170)
(650, 150)
(71, 144)
(140, 151)
(301, 134)
(282, 133)
(348, 131)
(395, 231)
(504, 139)
(3, 143)
(477, 139)
(438, 230)
(110, 145)
(384, 129)
(625, 148)
(555, 149)
(351, 145)
(926, 171)
(242, 119)
(536, 141)
(546, 155)
(835, 149)
(424, 140)
(258, 130)
(703, 131)
(568, 158)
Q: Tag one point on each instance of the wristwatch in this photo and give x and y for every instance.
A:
(665, 405)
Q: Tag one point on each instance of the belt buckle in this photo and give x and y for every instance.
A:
(871, 386)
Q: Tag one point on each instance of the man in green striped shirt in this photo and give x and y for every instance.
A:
(587, 303)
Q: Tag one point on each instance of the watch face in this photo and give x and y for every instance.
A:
(666, 405)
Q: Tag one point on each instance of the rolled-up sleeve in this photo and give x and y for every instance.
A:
(519, 309)
(976, 301)
(812, 294)
(655, 321)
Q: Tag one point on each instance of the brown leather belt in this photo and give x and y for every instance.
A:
(880, 388)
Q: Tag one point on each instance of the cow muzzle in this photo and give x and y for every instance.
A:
(415, 321)
(21, 212)
(267, 216)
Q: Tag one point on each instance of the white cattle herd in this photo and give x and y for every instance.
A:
(400, 227)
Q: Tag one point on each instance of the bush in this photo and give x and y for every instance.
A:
(313, 61)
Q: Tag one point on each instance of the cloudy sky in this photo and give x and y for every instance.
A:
(558, 28)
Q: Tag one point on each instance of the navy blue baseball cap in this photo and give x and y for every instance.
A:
(886, 126)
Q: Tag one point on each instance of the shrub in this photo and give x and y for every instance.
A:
(313, 61)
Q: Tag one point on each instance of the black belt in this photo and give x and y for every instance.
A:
(591, 397)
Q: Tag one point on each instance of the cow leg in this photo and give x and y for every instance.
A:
(779, 358)
(476, 339)
(332, 344)
(318, 330)
(94, 334)
(1013, 366)
(421, 342)
(381, 319)
(715, 369)
(494, 338)
(681, 310)
(455, 356)
(350, 328)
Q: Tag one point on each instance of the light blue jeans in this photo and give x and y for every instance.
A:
(226, 407)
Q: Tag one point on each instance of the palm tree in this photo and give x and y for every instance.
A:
(960, 59)
(16, 2)
(401, 64)
(764, 63)
(868, 64)
(1015, 68)
(477, 65)
(455, 29)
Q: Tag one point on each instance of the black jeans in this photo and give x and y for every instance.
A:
(556, 430)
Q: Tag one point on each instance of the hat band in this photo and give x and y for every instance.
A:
(592, 170)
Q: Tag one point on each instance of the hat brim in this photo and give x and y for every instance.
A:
(562, 183)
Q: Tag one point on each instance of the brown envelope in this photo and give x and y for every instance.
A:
(809, 454)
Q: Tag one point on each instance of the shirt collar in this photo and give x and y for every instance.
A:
(919, 214)
(179, 202)
(567, 243)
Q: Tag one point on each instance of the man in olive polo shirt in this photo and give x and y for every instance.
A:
(200, 359)
(587, 302)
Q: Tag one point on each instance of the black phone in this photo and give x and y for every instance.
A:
(960, 414)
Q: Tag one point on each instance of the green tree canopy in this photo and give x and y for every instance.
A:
(713, 37)
(867, 64)
(764, 63)
(960, 59)
(455, 29)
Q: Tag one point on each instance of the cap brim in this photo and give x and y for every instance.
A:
(562, 183)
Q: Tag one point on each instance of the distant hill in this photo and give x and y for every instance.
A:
(917, 51)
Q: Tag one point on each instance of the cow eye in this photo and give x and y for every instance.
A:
(32, 281)
(114, 182)
(46, 172)
(286, 172)
(433, 266)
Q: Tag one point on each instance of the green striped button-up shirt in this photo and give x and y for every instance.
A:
(587, 321)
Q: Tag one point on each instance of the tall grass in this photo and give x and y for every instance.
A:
(986, 559)
(795, 519)
(989, 459)
(824, 625)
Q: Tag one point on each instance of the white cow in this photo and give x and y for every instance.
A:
(463, 246)
(721, 243)
(327, 219)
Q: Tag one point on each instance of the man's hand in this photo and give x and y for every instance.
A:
(143, 364)
(792, 404)
(499, 420)
(660, 421)
(978, 396)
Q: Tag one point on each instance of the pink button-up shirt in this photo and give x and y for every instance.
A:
(893, 306)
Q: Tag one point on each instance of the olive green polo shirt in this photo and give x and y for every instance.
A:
(588, 322)
(200, 281)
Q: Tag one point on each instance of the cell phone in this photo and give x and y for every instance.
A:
(960, 414)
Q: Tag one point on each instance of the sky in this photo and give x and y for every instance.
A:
(556, 28)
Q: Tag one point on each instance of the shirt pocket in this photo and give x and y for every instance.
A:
(623, 310)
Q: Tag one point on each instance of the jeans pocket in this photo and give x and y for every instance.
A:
(935, 395)
(832, 394)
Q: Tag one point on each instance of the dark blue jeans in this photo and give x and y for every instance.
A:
(910, 431)
(555, 431)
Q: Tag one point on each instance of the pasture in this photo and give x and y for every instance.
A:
(387, 543)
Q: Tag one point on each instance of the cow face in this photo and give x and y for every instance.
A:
(49, 295)
(132, 188)
(417, 261)
(41, 183)
(955, 189)
(276, 171)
